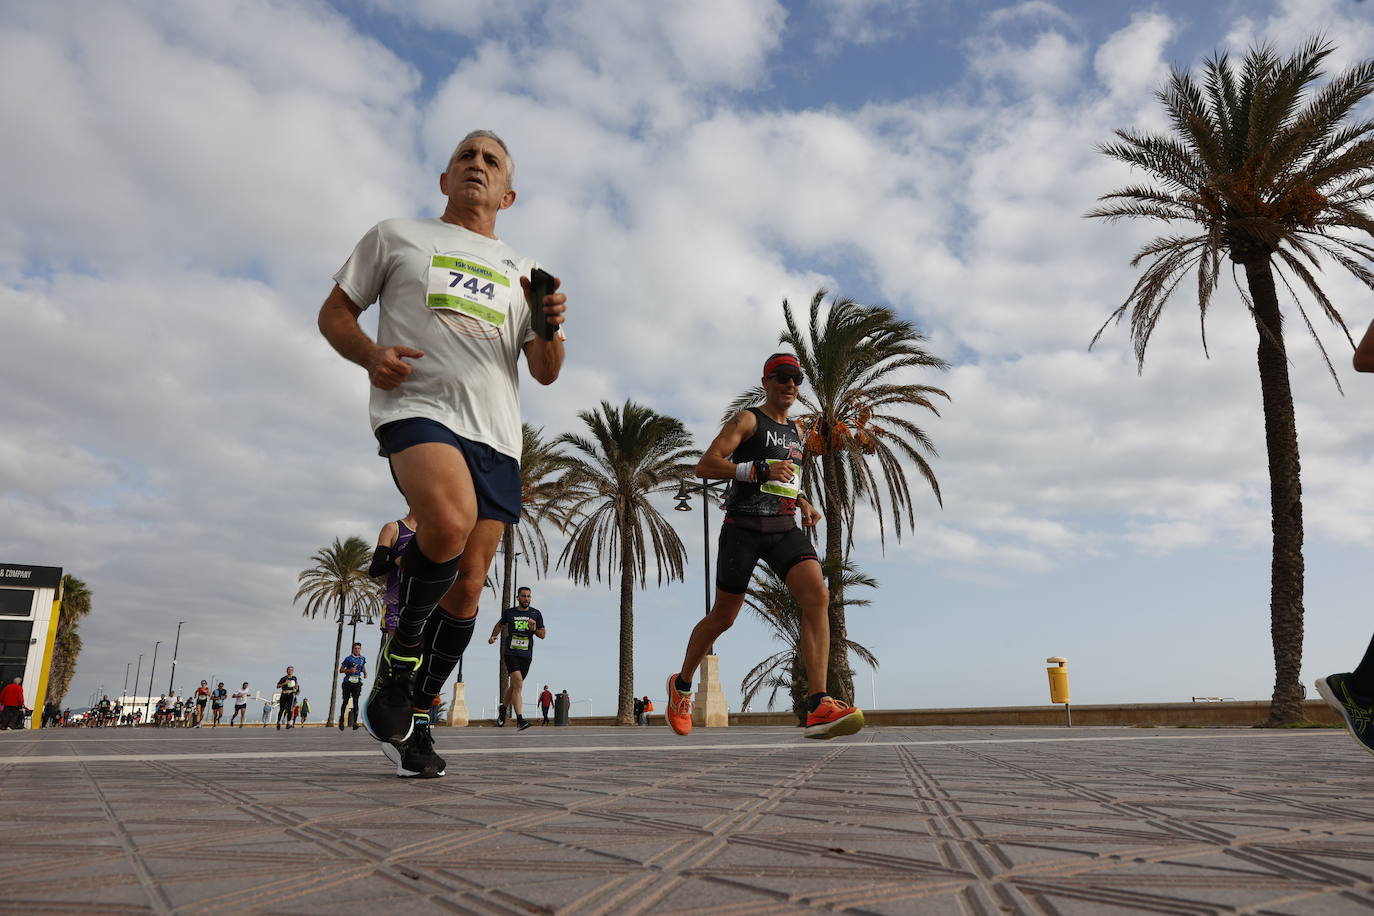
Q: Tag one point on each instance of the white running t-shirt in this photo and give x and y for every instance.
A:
(456, 296)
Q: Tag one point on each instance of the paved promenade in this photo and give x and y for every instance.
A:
(734, 822)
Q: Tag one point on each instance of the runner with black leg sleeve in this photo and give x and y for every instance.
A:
(455, 315)
(759, 451)
(516, 629)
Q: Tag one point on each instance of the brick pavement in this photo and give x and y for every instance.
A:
(726, 822)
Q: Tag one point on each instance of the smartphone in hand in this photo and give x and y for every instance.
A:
(541, 285)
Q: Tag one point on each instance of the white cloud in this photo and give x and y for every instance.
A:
(866, 22)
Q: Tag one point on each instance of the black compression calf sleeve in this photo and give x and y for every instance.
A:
(423, 585)
(445, 640)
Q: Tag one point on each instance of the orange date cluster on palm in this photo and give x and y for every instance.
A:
(1232, 197)
(857, 430)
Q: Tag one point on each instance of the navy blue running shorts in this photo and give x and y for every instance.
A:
(495, 476)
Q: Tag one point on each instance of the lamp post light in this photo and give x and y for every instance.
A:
(684, 504)
(124, 694)
(175, 647)
(152, 671)
(137, 671)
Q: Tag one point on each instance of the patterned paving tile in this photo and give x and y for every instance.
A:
(724, 823)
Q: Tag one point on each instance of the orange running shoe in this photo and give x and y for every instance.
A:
(833, 719)
(679, 714)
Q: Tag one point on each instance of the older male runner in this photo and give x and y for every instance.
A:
(1352, 694)
(758, 450)
(455, 316)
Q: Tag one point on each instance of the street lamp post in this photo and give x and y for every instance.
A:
(684, 504)
(124, 694)
(137, 671)
(175, 647)
(152, 672)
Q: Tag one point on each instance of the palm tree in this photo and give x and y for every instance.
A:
(631, 453)
(853, 421)
(338, 580)
(770, 599)
(1263, 167)
(543, 498)
(73, 608)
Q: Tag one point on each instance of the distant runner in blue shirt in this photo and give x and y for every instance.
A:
(353, 669)
(519, 624)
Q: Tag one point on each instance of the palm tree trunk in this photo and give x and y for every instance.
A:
(624, 713)
(1285, 496)
(333, 676)
(839, 679)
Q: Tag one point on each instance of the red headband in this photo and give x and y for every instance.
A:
(782, 359)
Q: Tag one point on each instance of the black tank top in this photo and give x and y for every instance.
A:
(775, 500)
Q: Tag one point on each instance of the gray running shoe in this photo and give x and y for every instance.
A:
(414, 757)
(1357, 712)
(387, 712)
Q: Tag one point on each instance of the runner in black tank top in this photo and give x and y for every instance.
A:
(764, 453)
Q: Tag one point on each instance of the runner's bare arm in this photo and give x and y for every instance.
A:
(382, 561)
(545, 357)
(495, 633)
(716, 463)
(1364, 353)
(338, 323)
(810, 518)
(539, 632)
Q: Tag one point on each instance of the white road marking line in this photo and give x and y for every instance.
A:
(622, 749)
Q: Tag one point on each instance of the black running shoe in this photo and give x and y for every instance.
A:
(387, 712)
(523, 724)
(501, 716)
(1357, 712)
(414, 757)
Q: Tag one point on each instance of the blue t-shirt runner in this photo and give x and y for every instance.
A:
(353, 668)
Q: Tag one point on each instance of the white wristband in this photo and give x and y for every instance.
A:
(744, 471)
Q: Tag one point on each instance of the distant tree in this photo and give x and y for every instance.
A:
(74, 607)
(1264, 169)
(771, 600)
(338, 583)
(853, 414)
(631, 453)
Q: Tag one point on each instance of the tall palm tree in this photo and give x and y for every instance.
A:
(1264, 169)
(853, 415)
(543, 498)
(338, 583)
(74, 607)
(771, 600)
(630, 453)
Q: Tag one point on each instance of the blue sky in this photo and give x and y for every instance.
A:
(185, 179)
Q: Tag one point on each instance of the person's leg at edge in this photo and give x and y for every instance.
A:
(706, 632)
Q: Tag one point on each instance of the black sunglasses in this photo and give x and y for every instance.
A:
(784, 377)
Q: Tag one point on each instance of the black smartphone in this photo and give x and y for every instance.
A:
(541, 285)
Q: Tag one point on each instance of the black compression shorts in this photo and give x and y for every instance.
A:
(742, 548)
(520, 663)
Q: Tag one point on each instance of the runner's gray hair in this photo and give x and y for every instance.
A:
(510, 160)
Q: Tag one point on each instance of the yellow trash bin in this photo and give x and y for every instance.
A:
(1059, 685)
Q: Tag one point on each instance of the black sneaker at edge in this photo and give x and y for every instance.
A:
(415, 757)
(1356, 712)
(387, 714)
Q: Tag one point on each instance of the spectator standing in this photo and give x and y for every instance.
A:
(545, 702)
(12, 698)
